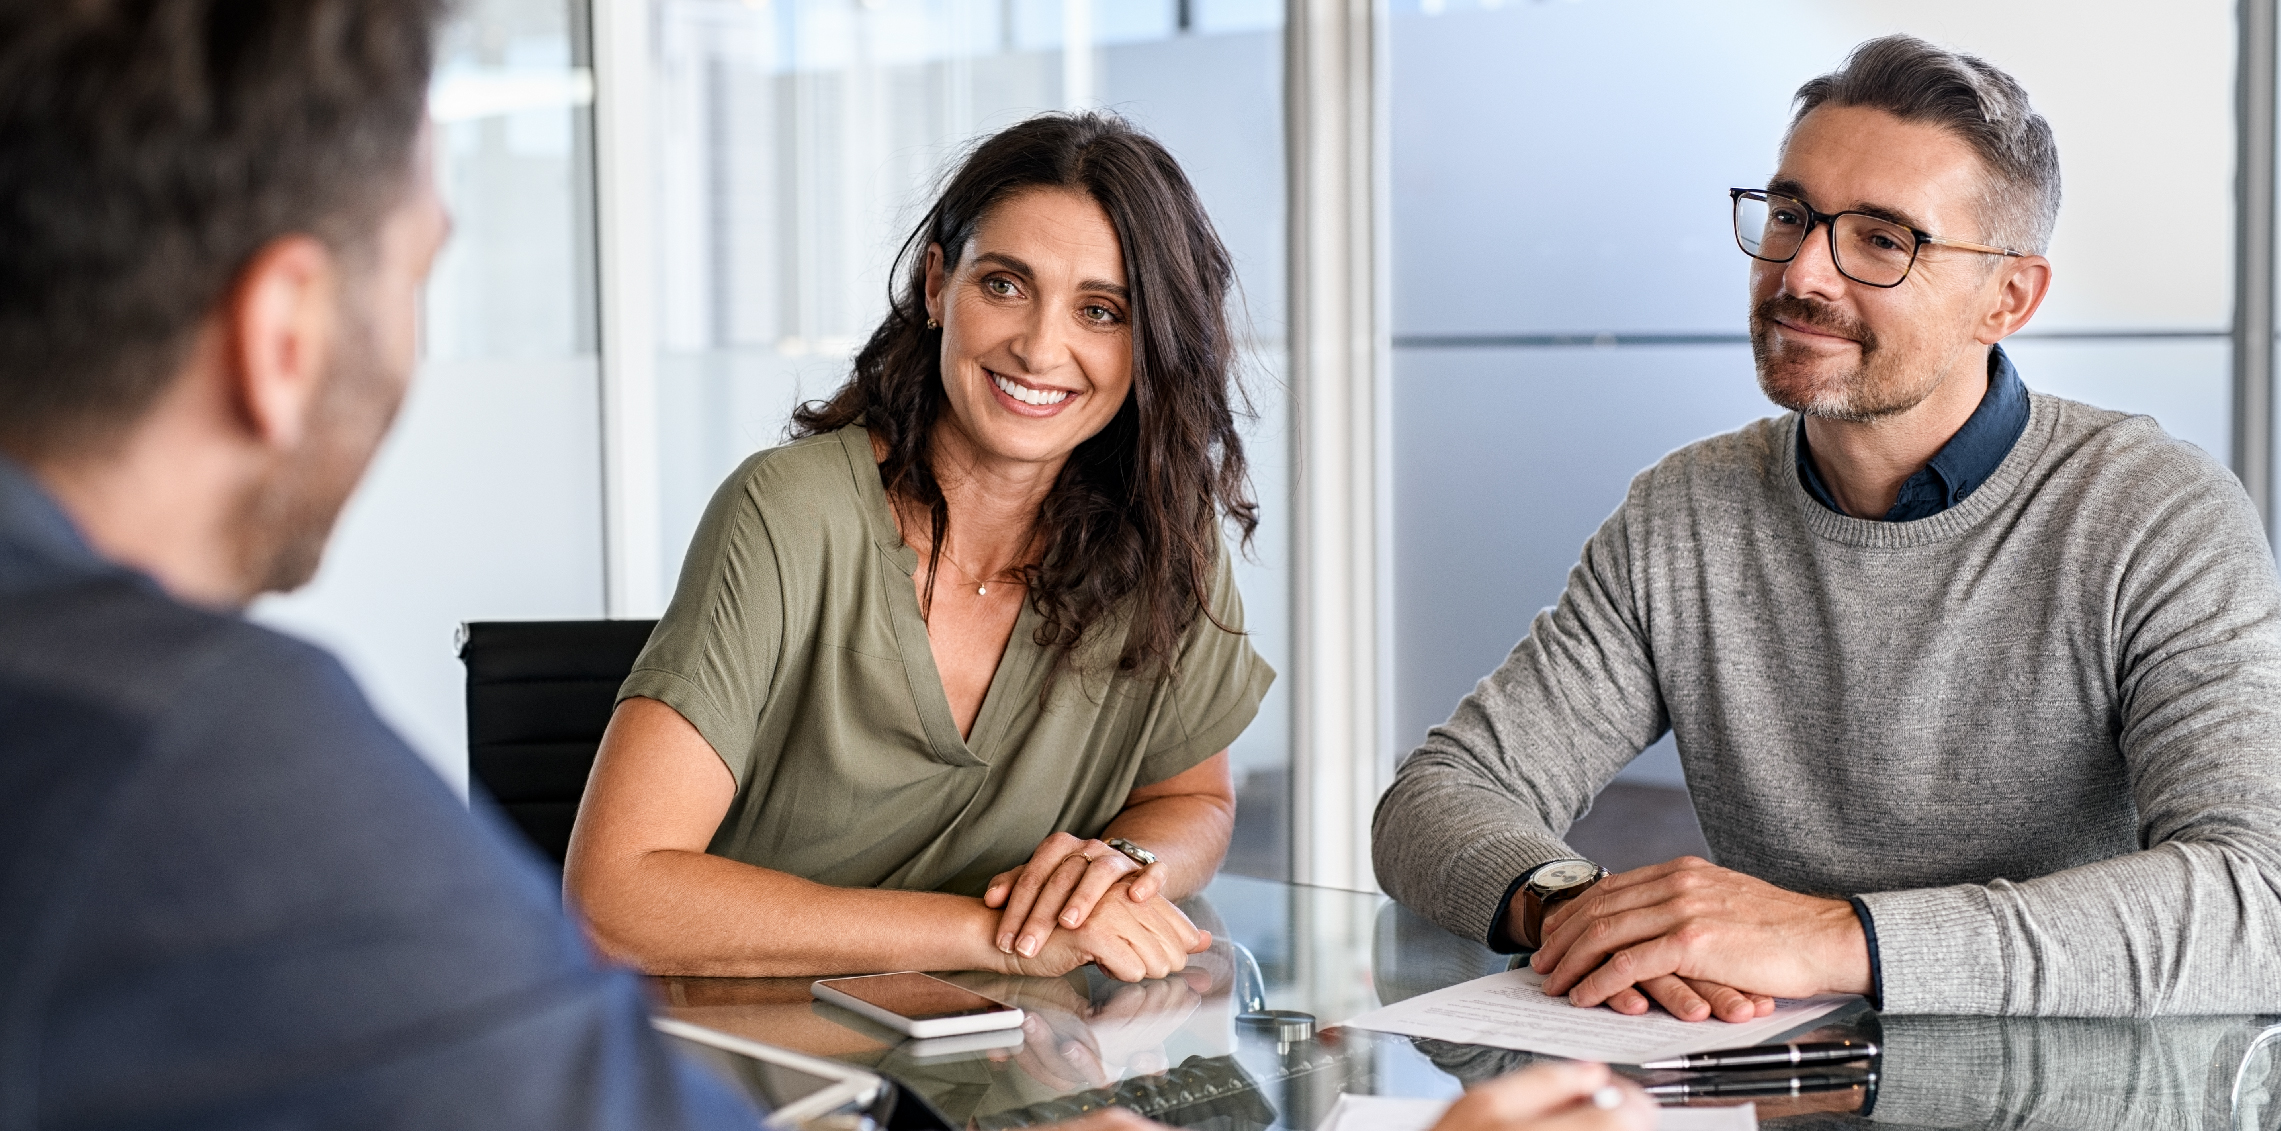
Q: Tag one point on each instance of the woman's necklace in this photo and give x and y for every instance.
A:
(981, 584)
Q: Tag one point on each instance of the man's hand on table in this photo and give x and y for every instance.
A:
(1702, 941)
(1548, 1097)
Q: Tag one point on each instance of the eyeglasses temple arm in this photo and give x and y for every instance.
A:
(1980, 247)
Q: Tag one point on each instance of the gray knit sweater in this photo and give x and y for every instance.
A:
(2039, 732)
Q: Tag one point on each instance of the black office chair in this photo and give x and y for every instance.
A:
(539, 694)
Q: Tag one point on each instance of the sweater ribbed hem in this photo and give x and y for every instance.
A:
(1940, 951)
(1869, 939)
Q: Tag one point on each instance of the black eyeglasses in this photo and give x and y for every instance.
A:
(1871, 250)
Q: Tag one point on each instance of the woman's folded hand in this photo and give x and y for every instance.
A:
(1128, 940)
(1060, 886)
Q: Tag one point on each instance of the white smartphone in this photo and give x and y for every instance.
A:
(917, 1005)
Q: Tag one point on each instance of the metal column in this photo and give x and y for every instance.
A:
(1342, 748)
(633, 571)
(2253, 323)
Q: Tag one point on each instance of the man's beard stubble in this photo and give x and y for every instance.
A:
(1878, 387)
(286, 521)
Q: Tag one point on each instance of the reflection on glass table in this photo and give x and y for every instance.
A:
(1194, 1051)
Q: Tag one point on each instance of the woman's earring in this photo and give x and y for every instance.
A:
(933, 325)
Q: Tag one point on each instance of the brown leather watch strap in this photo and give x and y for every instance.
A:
(1535, 906)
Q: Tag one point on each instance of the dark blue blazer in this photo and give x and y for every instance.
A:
(230, 896)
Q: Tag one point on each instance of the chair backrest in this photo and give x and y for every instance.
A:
(539, 694)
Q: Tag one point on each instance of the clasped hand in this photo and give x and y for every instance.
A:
(1701, 941)
(1084, 898)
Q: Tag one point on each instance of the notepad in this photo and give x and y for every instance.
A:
(1393, 1113)
(1511, 1011)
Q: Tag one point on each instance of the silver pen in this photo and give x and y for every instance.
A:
(1772, 1056)
(1784, 1086)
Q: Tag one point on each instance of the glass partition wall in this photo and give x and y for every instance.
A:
(485, 501)
(796, 143)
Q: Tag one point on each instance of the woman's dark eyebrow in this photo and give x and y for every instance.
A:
(1113, 290)
(1103, 286)
(1008, 262)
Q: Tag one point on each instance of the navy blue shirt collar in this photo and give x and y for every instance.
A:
(38, 543)
(1962, 464)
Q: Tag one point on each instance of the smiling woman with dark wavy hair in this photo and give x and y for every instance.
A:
(949, 680)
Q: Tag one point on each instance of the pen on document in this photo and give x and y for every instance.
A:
(1784, 1086)
(1772, 1056)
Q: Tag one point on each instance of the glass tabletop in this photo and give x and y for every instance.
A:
(1181, 1051)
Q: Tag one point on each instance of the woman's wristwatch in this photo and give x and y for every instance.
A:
(1140, 856)
(1547, 887)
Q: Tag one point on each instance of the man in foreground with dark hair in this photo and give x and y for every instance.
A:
(1978, 691)
(229, 896)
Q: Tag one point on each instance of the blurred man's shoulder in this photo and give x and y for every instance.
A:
(180, 787)
(217, 736)
(112, 644)
(200, 817)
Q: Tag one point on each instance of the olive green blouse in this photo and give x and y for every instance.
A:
(794, 645)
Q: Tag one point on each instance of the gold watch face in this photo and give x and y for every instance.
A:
(1563, 875)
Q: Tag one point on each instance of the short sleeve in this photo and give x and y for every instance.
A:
(713, 655)
(1216, 688)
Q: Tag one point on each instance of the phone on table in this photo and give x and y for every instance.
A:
(917, 1005)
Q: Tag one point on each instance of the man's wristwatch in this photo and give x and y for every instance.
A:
(1545, 888)
(1140, 856)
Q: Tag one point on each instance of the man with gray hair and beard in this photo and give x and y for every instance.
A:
(1978, 691)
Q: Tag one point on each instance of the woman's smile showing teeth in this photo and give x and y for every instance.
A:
(1035, 398)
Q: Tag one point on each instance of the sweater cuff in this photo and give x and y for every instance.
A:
(1947, 956)
(1481, 883)
(1869, 936)
(1501, 937)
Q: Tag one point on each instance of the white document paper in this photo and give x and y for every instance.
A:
(1512, 1011)
(1393, 1113)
